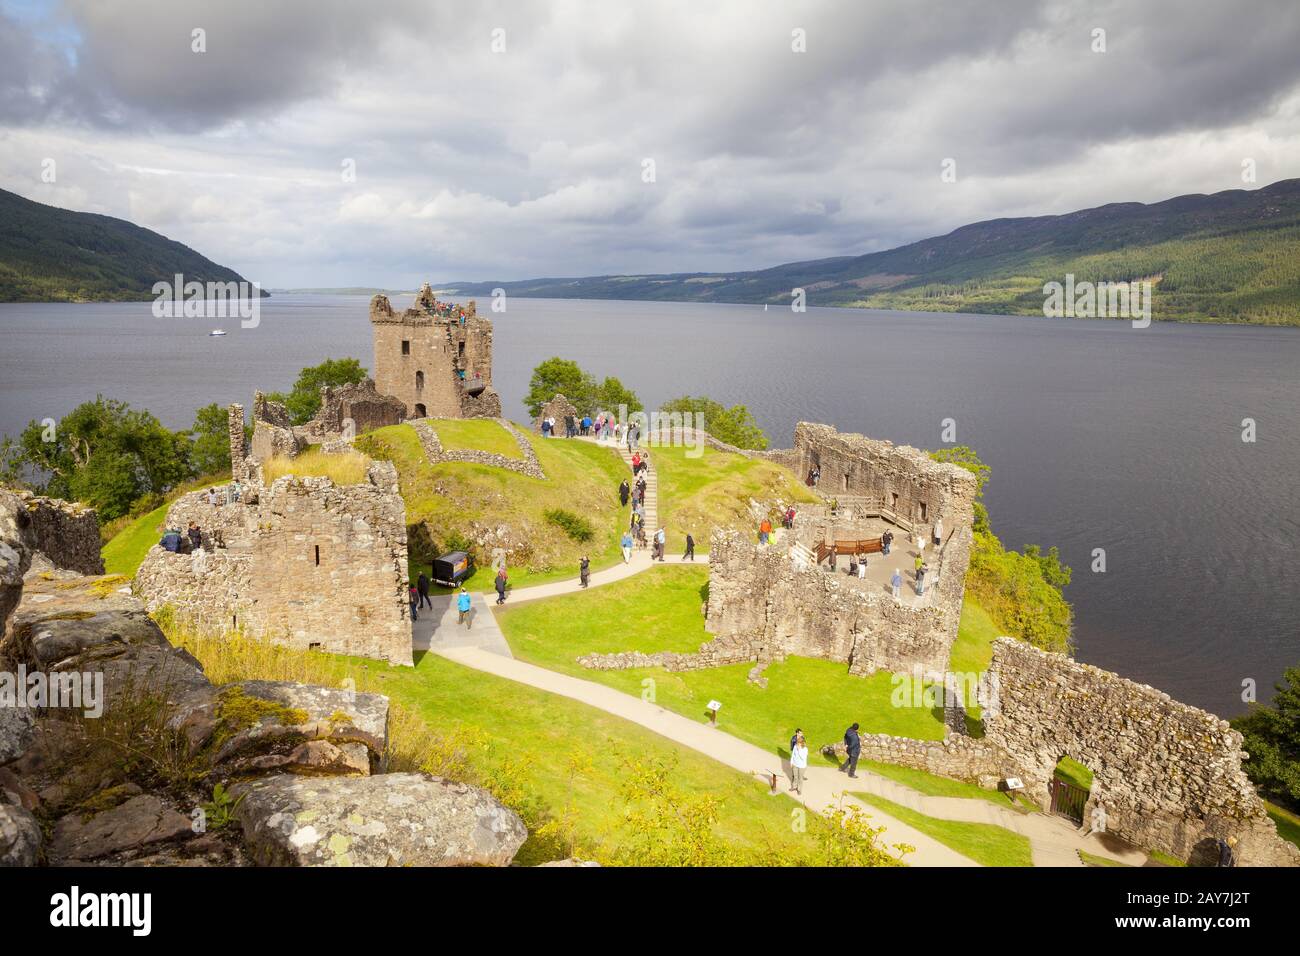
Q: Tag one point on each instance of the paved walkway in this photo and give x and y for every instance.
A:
(482, 646)
(822, 788)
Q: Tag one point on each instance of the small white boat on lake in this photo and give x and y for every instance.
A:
(217, 332)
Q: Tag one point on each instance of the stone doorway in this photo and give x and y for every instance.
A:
(1070, 786)
(420, 410)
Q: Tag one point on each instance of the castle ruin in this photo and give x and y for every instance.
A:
(793, 597)
(435, 357)
(302, 561)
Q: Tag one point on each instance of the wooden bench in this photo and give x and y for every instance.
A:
(849, 547)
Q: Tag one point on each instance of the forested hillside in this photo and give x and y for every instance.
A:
(55, 255)
(1229, 257)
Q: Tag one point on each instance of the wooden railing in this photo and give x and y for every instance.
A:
(848, 546)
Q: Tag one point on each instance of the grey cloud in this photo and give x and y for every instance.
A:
(479, 166)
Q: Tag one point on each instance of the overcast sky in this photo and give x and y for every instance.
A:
(476, 164)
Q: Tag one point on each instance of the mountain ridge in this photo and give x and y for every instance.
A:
(48, 254)
(1230, 256)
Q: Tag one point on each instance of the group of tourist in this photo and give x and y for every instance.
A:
(602, 428)
(417, 595)
(446, 310)
(188, 542)
(799, 756)
(232, 495)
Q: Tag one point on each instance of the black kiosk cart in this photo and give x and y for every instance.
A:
(451, 568)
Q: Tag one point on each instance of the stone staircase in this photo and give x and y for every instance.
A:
(651, 492)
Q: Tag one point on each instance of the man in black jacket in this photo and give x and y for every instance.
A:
(422, 586)
(853, 745)
(623, 492)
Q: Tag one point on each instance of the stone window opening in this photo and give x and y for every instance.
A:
(922, 510)
(314, 646)
(419, 381)
(893, 500)
(845, 481)
(406, 346)
(460, 350)
(318, 555)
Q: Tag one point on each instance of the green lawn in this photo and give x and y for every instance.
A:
(1073, 772)
(1091, 859)
(932, 785)
(458, 498)
(528, 738)
(984, 843)
(697, 495)
(477, 433)
(125, 552)
(660, 610)
(1288, 823)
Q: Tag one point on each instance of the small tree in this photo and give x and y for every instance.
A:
(560, 376)
(303, 402)
(611, 393)
(105, 454)
(557, 376)
(210, 452)
(734, 425)
(1271, 735)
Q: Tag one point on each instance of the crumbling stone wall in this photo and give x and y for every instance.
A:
(359, 403)
(557, 408)
(1168, 775)
(420, 353)
(59, 534)
(238, 447)
(273, 431)
(436, 453)
(901, 479)
(761, 596)
(761, 599)
(309, 564)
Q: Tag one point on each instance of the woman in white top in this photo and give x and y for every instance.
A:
(798, 763)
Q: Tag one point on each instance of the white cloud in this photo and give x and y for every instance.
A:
(474, 165)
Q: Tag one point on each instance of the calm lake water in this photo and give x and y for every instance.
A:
(1099, 435)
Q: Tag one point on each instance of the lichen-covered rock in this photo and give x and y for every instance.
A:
(15, 554)
(395, 819)
(67, 622)
(571, 861)
(20, 836)
(264, 725)
(142, 821)
(16, 729)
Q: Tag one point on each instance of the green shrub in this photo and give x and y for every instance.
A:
(575, 526)
(1021, 592)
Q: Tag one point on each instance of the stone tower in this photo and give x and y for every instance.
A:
(435, 357)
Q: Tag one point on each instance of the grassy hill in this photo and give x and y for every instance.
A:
(56, 255)
(1233, 256)
(452, 504)
(454, 501)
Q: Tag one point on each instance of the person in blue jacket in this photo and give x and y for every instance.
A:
(463, 606)
(171, 540)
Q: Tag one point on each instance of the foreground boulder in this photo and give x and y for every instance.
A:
(67, 622)
(139, 822)
(261, 726)
(16, 731)
(406, 819)
(20, 836)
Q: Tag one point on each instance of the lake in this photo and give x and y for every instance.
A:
(1099, 435)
